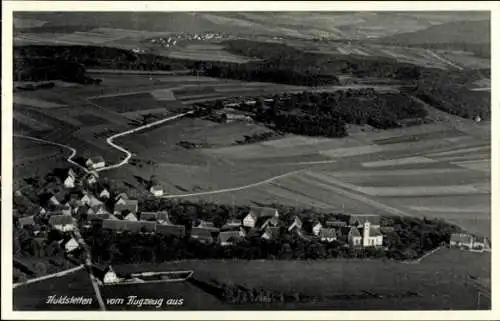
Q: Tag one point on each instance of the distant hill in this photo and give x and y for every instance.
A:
(473, 36)
(470, 32)
(333, 25)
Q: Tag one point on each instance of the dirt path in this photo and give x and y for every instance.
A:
(69, 159)
(49, 276)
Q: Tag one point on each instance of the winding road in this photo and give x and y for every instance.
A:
(70, 157)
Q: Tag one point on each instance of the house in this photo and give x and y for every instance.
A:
(100, 210)
(271, 233)
(85, 199)
(204, 235)
(94, 202)
(257, 213)
(357, 220)
(350, 235)
(54, 201)
(42, 211)
(205, 224)
(480, 243)
(296, 224)
(273, 221)
(95, 162)
(127, 205)
(335, 223)
(110, 276)
(148, 216)
(371, 235)
(26, 221)
(69, 182)
(462, 240)
(63, 223)
(130, 217)
(70, 245)
(230, 237)
(156, 190)
(91, 178)
(104, 194)
(230, 223)
(129, 226)
(121, 198)
(160, 217)
(328, 234)
(66, 209)
(316, 228)
(174, 230)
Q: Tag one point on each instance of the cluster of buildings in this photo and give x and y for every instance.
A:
(83, 204)
(172, 40)
(469, 242)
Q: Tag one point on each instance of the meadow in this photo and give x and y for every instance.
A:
(402, 286)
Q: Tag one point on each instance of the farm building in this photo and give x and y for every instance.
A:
(174, 230)
(203, 235)
(91, 178)
(70, 245)
(121, 198)
(70, 178)
(480, 243)
(130, 217)
(328, 234)
(230, 237)
(63, 223)
(335, 223)
(469, 242)
(94, 202)
(129, 226)
(69, 182)
(100, 209)
(204, 224)
(148, 216)
(316, 228)
(95, 162)
(257, 213)
(156, 190)
(160, 217)
(104, 194)
(357, 220)
(126, 205)
(271, 233)
(110, 276)
(85, 199)
(232, 223)
(66, 209)
(296, 224)
(26, 221)
(461, 240)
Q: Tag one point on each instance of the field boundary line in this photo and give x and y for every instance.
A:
(234, 189)
(49, 276)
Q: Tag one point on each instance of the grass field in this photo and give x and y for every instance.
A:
(442, 276)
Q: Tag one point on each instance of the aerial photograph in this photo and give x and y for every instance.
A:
(251, 160)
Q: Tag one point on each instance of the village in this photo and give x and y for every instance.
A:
(81, 203)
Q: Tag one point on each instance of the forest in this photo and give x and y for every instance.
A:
(327, 113)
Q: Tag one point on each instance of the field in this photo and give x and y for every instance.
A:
(395, 171)
(442, 276)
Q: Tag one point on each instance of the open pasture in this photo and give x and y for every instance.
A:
(473, 211)
(446, 283)
(91, 119)
(133, 102)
